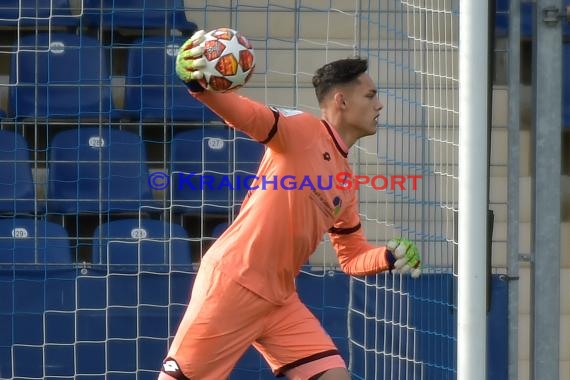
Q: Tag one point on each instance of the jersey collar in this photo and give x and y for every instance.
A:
(338, 142)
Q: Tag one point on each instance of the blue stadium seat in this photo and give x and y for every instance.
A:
(135, 243)
(139, 257)
(33, 13)
(153, 91)
(566, 85)
(37, 299)
(17, 192)
(60, 76)
(33, 241)
(95, 170)
(142, 15)
(203, 164)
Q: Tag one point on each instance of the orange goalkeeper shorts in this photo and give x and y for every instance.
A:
(223, 319)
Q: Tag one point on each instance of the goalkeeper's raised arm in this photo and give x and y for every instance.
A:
(253, 118)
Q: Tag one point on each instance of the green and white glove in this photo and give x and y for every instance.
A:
(405, 257)
(190, 61)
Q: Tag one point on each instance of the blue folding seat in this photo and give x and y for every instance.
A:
(205, 171)
(37, 298)
(34, 13)
(60, 76)
(94, 170)
(17, 191)
(153, 91)
(33, 241)
(139, 257)
(139, 243)
(142, 15)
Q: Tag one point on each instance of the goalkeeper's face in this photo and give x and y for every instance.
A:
(362, 106)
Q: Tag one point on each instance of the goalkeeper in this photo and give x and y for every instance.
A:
(244, 293)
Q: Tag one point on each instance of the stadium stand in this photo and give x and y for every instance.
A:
(17, 190)
(161, 15)
(153, 91)
(60, 76)
(94, 170)
(37, 293)
(203, 164)
(34, 13)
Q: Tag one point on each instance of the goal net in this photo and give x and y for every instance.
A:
(402, 328)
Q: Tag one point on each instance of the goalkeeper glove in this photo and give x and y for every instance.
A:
(404, 257)
(190, 61)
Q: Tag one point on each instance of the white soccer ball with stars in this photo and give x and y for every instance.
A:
(230, 60)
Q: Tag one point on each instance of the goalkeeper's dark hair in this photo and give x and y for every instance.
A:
(337, 73)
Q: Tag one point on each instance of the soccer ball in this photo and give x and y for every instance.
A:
(230, 60)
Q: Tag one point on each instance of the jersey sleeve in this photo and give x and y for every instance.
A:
(356, 256)
(257, 120)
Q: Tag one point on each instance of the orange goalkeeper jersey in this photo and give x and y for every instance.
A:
(295, 200)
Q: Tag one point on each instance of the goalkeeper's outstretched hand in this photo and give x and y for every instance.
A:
(405, 257)
(190, 60)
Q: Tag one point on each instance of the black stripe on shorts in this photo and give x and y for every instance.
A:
(281, 371)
